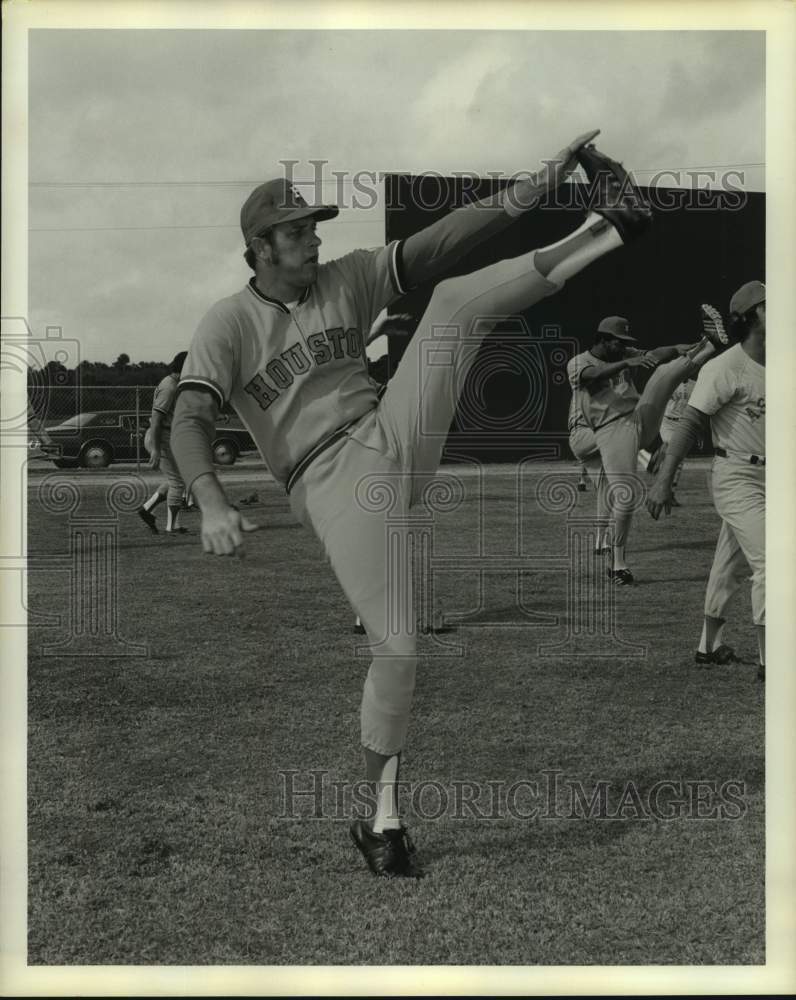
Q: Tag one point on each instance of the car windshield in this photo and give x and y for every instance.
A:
(80, 420)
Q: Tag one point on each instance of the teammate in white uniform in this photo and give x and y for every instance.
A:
(287, 352)
(623, 422)
(730, 396)
(157, 443)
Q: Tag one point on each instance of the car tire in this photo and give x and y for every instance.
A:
(65, 463)
(96, 455)
(225, 451)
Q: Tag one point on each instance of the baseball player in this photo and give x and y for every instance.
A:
(730, 397)
(287, 351)
(157, 443)
(622, 421)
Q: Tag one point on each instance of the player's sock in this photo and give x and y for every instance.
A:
(701, 353)
(383, 773)
(619, 557)
(153, 501)
(171, 519)
(560, 261)
(712, 632)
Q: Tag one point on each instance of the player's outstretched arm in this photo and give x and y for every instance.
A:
(433, 252)
(192, 431)
(693, 424)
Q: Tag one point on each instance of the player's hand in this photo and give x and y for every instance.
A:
(659, 498)
(641, 361)
(154, 458)
(223, 529)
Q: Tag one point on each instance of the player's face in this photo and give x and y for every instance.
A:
(294, 252)
(614, 349)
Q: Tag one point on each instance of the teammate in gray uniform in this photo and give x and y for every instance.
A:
(624, 421)
(157, 443)
(287, 351)
(729, 400)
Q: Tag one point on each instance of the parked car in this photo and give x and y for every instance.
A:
(94, 440)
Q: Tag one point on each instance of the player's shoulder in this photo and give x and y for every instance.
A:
(225, 313)
(579, 359)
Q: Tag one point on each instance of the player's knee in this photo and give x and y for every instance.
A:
(390, 683)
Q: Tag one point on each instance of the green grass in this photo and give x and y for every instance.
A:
(154, 835)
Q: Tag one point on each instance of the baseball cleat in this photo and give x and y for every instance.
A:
(619, 200)
(148, 519)
(582, 487)
(720, 656)
(359, 628)
(605, 550)
(621, 577)
(713, 326)
(177, 531)
(388, 854)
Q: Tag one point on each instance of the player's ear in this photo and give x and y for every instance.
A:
(262, 249)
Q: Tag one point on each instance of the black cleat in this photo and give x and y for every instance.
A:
(148, 519)
(359, 629)
(388, 854)
(621, 577)
(719, 656)
(606, 550)
(178, 531)
(618, 199)
(582, 487)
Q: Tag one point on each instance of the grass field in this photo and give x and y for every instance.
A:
(155, 834)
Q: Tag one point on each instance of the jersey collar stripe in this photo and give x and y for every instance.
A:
(275, 302)
(395, 267)
(204, 383)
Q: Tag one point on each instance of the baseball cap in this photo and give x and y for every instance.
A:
(278, 201)
(618, 327)
(747, 297)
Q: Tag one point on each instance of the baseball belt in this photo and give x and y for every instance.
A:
(313, 453)
(751, 459)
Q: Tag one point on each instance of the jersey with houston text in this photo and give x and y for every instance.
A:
(607, 399)
(731, 390)
(678, 401)
(166, 397)
(296, 375)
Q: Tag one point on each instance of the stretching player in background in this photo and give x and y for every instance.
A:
(157, 443)
(671, 417)
(622, 421)
(287, 352)
(729, 401)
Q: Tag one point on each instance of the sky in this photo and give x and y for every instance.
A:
(144, 144)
